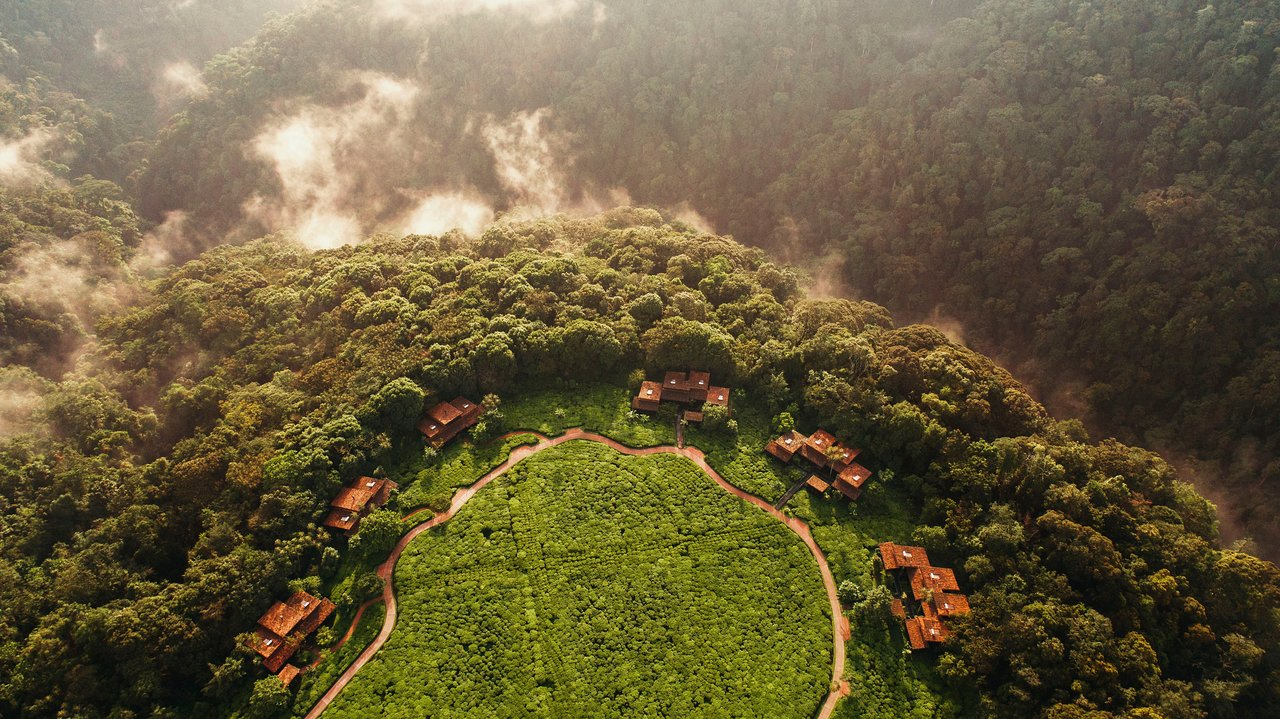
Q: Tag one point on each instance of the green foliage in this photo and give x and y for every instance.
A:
(582, 573)
(377, 534)
(397, 407)
(270, 699)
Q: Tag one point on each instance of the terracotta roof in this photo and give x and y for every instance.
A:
(947, 605)
(896, 608)
(288, 674)
(650, 392)
(933, 630)
(855, 474)
(352, 499)
(935, 579)
(265, 642)
(818, 483)
(718, 396)
(815, 447)
(693, 416)
(678, 381)
(282, 617)
(343, 519)
(321, 611)
(785, 447)
(845, 458)
(699, 380)
(467, 410)
(897, 555)
(444, 413)
(286, 651)
(915, 633)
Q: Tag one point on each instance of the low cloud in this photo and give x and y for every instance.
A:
(20, 158)
(178, 81)
(323, 156)
(525, 161)
(431, 11)
(438, 213)
(21, 392)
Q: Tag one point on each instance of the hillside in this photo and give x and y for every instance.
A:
(1086, 191)
(171, 487)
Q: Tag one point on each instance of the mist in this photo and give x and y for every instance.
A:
(20, 158)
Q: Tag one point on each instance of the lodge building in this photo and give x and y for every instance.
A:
(693, 389)
(824, 451)
(282, 630)
(356, 500)
(448, 419)
(935, 588)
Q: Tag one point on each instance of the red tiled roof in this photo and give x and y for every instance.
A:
(818, 483)
(288, 674)
(320, 612)
(785, 447)
(915, 633)
(678, 381)
(896, 608)
(936, 579)
(855, 474)
(265, 642)
(352, 499)
(343, 519)
(947, 605)
(444, 413)
(896, 556)
(718, 397)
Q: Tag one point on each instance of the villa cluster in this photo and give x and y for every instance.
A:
(934, 587)
(355, 501)
(833, 460)
(283, 629)
(693, 390)
(448, 419)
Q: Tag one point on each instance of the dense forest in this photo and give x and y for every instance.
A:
(169, 489)
(1084, 189)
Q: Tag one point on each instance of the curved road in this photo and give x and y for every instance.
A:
(839, 625)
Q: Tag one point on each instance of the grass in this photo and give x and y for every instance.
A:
(587, 583)
(604, 409)
(427, 481)
(314, 682)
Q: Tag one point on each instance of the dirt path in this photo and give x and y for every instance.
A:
(839, 625)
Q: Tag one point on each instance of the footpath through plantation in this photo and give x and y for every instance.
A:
(586, 582)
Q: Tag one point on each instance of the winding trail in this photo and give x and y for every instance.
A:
(839, 625)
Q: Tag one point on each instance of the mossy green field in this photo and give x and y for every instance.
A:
(588, 583)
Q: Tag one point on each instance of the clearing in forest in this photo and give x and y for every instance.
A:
(589, 583)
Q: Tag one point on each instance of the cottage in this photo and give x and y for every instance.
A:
(286, 624)
(356, 500)
(649, 397)
(786, 446)
(851, 479)
(817, 483)
(915, 634)
(692, 388)
(815, 447)
(447, 420)
(897, 556)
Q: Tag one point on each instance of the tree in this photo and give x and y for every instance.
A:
(850, 592)
(270, 698)
(396, 407)
(377, 534)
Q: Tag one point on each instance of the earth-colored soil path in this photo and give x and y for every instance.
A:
(839, 625)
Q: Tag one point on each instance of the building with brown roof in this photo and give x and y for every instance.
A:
(786, 446)
(648, 398)
(817, 483)
(928, 580)
(355, 500)
(949, 605)
(897, 609)
(898, 556)
(447, 420)
(851, 479)
(288, 674)
(915, 633)
(283, 628)
(815, 447)
(692, 388)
